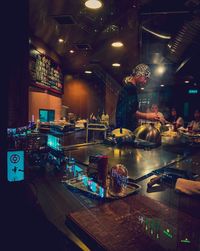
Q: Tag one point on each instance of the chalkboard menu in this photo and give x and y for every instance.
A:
(45, 72)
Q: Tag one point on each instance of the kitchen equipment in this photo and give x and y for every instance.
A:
(147, 135)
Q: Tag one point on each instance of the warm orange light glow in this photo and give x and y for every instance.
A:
(60, 40)
(88, 72)
(93, 4)
(117, 44)
(116, 65)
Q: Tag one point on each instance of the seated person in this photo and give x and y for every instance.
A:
(194, 125)
(189, 187)
(154, 109)
(175, 119)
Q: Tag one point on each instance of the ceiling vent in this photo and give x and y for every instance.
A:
(83, 46)
(64, 19)
(94, 61)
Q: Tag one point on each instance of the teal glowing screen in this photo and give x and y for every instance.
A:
(15, 166)
(54, 142)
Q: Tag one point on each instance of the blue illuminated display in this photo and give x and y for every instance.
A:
(93, 187)
(15, 166)
(101, 192)
(192, 91)
(54, 142)
(86, 181)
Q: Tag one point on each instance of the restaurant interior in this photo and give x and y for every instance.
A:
(100, 138)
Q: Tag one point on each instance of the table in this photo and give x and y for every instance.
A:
(59, 202)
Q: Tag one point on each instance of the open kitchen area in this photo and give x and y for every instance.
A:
(100, 145)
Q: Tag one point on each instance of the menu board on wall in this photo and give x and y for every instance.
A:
(45, 72)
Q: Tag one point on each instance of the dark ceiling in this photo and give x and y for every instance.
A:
(138, 24)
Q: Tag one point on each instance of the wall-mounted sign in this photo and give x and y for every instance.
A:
(45, 72)
(15, 166)
(193, 91)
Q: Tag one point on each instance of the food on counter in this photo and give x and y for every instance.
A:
(81, 123)
(169, 134)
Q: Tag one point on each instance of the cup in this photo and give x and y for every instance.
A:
(118, 179)
(102, 171)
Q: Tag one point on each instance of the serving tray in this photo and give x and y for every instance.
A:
(77, 184)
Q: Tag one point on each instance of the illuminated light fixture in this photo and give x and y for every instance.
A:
(160, 70)
(71, 51)
(187, 81)
(142, 88)
(117, 44)
(193, 91)
(93, 4)
(162, 85)
(41, 50)
(60, 40)
(88, 72)
(116, 65)
(156, 34)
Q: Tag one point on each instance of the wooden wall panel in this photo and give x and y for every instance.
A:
(82, 98)
(41, 100)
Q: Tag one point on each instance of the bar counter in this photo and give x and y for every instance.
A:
(62, 206)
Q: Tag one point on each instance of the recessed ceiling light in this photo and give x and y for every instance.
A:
(116, 65)
(88, 72)
(93, 4)
(187, 81)
(142, 88)
(117, 44)
(71, 51)
(160, 70)
(162, 85)
(60, 40)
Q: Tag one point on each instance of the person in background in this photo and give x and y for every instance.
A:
(127, 112)
(175, 119)
(154, 109)
(93, 118)
(189, 187)
(194, 125)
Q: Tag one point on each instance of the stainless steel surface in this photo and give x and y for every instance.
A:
(148, 133)
(121, 133)
(139, 162)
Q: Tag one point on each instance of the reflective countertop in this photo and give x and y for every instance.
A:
(139, 162)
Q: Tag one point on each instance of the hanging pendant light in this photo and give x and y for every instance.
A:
(93, 4)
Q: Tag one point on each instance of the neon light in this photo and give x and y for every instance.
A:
(101, 192)
(192, 91)
(93, 187)
(185, 241)
(85, 180)
(167, 233)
